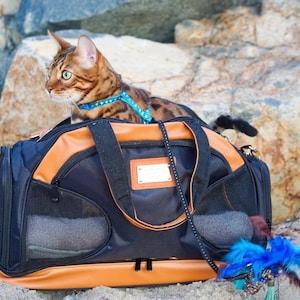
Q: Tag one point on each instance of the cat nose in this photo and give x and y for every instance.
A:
(49, 88)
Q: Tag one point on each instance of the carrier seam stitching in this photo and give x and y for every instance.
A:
(227, 198)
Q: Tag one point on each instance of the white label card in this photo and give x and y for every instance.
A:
(154, 173)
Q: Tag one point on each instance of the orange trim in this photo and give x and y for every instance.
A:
(135, 164)
(113, 275)
(219, 143)
(141, 132)
(66, 146)
(143, 225)
(175, 223)
(80, 139)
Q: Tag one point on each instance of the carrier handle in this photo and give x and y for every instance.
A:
(112, 161)
(201, 178)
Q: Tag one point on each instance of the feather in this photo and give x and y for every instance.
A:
(247, 257)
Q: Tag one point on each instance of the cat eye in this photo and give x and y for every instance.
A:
(66, 74)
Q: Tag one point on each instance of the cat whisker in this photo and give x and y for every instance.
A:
(74, 104)
(67, 106)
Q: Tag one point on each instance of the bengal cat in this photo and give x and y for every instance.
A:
(80, 76)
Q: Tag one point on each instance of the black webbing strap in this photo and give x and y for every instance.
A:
(184, 201)
(201, 178)
(112, 162)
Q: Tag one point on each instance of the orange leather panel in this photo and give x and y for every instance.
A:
(67, 145)
(113, 275)
(218, 143)
(138, 132)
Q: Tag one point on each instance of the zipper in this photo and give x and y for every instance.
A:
(7, 204)
(141, 144)
(60, 128)
(66, 126)
(256, 165)
(70, 163)
(267, 193)
(265, 183)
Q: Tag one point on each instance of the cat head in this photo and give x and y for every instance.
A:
(79, 74)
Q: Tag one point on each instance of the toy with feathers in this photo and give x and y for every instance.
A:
(251, 265)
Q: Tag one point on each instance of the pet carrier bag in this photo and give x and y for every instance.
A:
(106, 202)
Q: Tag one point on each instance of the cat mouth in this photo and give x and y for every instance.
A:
(61, 99)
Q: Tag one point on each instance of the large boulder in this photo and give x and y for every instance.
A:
(258, 83)
(253, 63)
(276, 25)
(151, 19)
(9, 36)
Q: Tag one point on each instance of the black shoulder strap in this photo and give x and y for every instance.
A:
(201, 178)
(112, 162)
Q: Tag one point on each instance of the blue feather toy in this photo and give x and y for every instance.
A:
(257, 264)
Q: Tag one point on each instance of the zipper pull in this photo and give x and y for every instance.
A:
(250, 150)
(54, 191)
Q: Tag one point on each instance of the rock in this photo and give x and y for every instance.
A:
(9, 7)
(9, 36)
(251, 63)
(238, 77)
(151, 19)
(277, 25)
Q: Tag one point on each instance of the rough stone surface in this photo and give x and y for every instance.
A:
(276, 25)
(149, 19)
(252, 62)
(9, 7)
(9, 36)
(255, 81)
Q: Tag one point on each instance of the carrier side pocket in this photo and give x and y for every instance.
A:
(59, 228)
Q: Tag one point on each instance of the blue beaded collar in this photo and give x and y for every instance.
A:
(123, 96)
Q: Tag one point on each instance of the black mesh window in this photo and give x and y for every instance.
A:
(62, 224)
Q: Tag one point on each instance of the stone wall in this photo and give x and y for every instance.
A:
(151, 19)
(9, 36)
(238, 62)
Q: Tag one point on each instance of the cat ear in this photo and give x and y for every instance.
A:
(60, 42)
(87, 51)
